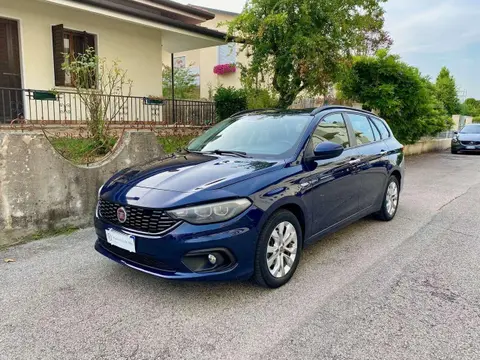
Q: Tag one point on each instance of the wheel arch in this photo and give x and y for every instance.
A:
(398, 175)
(296, 207)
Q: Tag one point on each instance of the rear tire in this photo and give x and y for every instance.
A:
(390, 200)
(278, 250)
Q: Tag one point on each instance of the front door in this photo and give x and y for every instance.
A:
(11, 99)
(332, 186)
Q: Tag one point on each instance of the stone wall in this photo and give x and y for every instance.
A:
(426, 146)
(40, 190)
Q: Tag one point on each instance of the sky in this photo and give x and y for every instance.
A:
(427, 34)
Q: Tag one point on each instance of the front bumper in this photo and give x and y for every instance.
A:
(166, 256)
(458, 146)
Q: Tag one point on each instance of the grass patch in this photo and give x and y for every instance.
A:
(43, 234)
(173, 143)
(81, 150)
(67, 230)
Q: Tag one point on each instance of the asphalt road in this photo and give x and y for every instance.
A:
(409, 289)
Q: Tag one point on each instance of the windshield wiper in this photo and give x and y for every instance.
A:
(229, 152)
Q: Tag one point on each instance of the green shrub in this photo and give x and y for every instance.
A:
(476, 119)
(229, 101)
(261, 99)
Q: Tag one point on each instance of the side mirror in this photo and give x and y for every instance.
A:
(455, 133)
(327, 150)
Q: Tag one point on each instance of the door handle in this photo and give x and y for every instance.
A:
(383, 152)
(354, 161)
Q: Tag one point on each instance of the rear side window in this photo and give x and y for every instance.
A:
(362, 128)
(375, 131)
(382, 128)
(332, 128)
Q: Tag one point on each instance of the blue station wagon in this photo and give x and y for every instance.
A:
(244, 199)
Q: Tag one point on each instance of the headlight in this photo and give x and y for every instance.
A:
(455, 139)
(211, 213)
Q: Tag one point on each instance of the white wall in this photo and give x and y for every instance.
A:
(207, 58)
(138, 48)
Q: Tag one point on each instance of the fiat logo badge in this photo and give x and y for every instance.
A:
(121, 215)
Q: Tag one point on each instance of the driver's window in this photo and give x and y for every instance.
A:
(332, 128)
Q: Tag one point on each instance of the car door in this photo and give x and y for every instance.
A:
(372, 161)
(332, 189)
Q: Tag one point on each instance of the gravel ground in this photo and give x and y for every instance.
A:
(409, 289)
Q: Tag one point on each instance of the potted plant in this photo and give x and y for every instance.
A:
(153, 100)
(45, 95)
(224, 69)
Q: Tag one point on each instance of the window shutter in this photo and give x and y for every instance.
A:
(227, 54)
(58, 57)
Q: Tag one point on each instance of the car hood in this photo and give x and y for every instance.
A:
(192, 172)
(469, 137)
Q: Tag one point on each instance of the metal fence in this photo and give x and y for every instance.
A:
(63, 107)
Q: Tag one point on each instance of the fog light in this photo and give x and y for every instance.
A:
(212, 259)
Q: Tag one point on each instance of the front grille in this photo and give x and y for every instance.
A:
(138, 259)
(139, 219)
(470, 142)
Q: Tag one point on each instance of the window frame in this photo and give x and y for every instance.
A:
(59, 31)
(351, 129)
(373, 118)
(309, 145)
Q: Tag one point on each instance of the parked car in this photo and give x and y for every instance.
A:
(467, 140)
(245, 197)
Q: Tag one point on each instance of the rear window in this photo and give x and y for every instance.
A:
(382, 128)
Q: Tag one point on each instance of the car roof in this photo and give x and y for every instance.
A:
(306, 111)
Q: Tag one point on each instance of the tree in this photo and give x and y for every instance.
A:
(447, 91)
(398, 92)
(101, 86)
(471, 107)
(185, 87)
(301, 44)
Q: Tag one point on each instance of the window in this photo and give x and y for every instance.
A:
(263, 135)
(382, 128)
(68, 42)
(332, 128)
(227, 54)
(362, 128)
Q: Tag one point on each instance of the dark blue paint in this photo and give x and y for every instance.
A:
(329, 194)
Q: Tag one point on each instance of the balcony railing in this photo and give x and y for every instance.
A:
(63, 107)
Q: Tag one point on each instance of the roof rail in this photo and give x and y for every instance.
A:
(330, 107)
(252, 111)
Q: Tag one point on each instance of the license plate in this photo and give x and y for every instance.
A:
(121, 240)
(471, 148)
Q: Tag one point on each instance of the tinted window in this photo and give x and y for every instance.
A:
(471, 129)
(363, 130)
(383, 129)
(332, 128)
(266, 134)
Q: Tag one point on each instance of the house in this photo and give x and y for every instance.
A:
(202, 62)
(34, 34)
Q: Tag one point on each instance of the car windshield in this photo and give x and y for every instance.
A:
(471, 129)
(269, 135)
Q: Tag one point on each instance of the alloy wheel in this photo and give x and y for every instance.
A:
(282, 249)
(392, 198)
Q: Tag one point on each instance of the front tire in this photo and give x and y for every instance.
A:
(278, 250)
(390, 200)
(454, 151)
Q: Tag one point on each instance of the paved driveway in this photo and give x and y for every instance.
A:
(405, 290)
